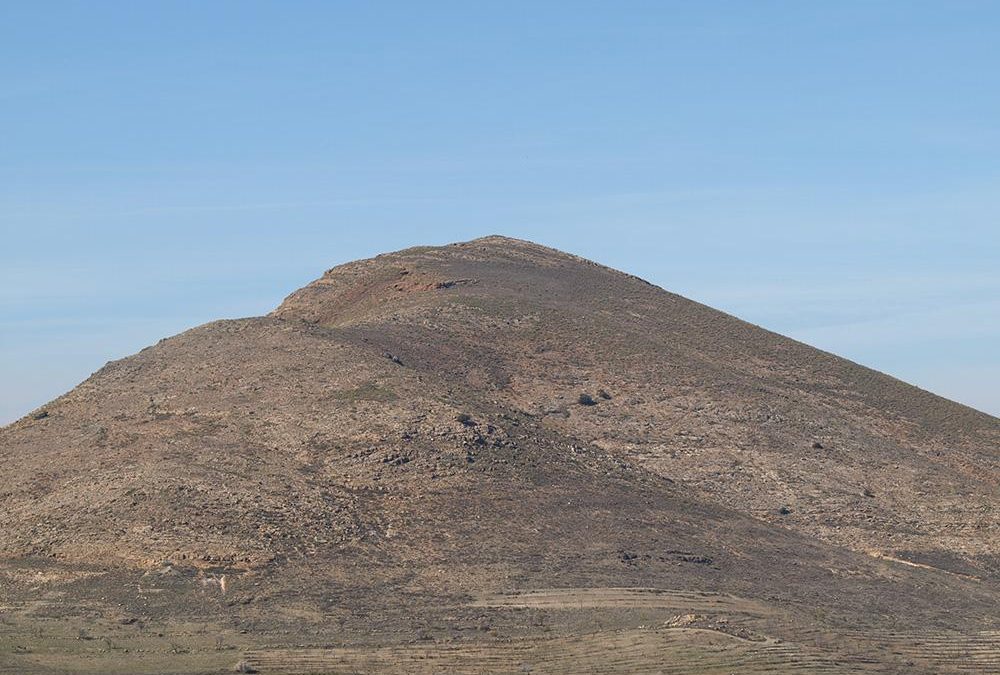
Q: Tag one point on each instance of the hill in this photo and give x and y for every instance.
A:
(494, 456)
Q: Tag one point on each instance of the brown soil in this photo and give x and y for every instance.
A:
(496, 457)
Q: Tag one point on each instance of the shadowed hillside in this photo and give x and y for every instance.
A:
(497, 457)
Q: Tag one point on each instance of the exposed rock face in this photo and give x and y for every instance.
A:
(411, 435)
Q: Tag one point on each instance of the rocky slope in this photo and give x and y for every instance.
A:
(504, 453)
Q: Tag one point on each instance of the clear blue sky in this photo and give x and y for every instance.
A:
(830, 170)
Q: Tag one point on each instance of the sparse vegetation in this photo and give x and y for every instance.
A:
(361, 527)
(369, 391)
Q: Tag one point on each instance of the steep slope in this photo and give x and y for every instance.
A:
(759, 421)
(401, 452)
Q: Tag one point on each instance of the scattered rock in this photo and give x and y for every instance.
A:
(627, 557)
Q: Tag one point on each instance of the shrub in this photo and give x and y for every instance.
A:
(586, 399)
(466, 419)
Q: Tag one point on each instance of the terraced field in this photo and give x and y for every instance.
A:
(683, 632)
(655, 650)
(629, 598)
(942, 651)
(668, 651)
(661, 649)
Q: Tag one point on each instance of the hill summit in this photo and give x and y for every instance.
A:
(495, 456)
